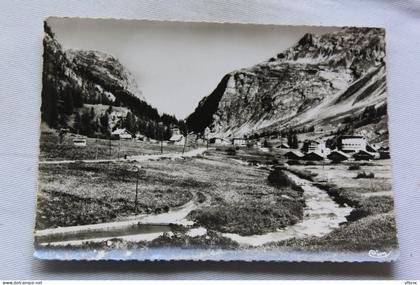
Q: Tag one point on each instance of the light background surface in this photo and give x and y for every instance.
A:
(20, 86)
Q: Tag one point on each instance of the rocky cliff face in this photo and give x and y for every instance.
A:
(75, 77)
(103, 70)
(322, 79)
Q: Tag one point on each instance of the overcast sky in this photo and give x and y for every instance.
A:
(176, 64)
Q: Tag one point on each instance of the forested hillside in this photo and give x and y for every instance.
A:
(74, 78)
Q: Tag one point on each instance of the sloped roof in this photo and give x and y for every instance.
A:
(339, 153)
(313, 141)
(352, 137)
(364, 152)
(314, 155)
(120, 131)
(295, 152)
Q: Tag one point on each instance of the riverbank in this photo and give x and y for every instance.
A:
(321, 216)
(223, 200)
(371, 224)
(105, 192)
(250, 199)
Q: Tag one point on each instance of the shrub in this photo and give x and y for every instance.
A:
(231, 151)
(354, 167)
(364, 174)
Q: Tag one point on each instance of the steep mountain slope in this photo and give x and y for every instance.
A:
(73, 78)
(319, 81)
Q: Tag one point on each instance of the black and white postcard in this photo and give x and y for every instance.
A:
(213, 141)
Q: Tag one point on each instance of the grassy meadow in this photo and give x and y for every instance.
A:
(238, 190)
(233, 194)
(96, 148)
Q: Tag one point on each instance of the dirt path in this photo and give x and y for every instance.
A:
(137, 158)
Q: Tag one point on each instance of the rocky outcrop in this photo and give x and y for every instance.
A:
(103, 71)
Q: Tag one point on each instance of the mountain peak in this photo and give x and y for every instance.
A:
(298, 84)
(105, 68)
(307, 39)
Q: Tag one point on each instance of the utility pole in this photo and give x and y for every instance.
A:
(119, 147)
(137, 189)
(206, 136)
(96, 144)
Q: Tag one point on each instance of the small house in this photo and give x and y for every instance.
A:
(122, 134)
(294, 154)
(176, 131)
(352, 143)
(338, 156)
(239, 141)
(318, 147)
(313, 156)
(177, 139)
(364, 155)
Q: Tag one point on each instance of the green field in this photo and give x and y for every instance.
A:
(235, 193)
(239, 190)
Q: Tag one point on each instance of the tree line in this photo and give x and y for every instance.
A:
(91, 124)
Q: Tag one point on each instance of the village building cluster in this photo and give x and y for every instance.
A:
(348, 147)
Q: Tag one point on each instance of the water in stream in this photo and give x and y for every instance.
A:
(321, 216)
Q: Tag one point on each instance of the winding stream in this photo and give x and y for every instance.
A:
(321, 216)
